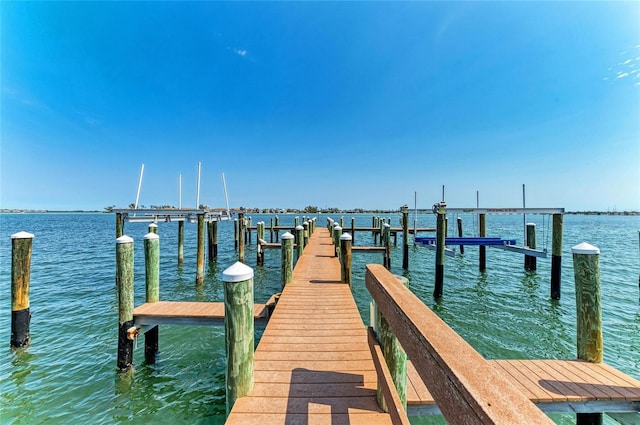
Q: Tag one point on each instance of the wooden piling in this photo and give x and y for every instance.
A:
(482, 250)
(247, 229)
(124, 272)
(345, 258)
(180, 243)
(586, 268)
(277, 230)
(259, 238)
(556, 256)
(440, 244)
(353, 230)
(210, 241)
(530, 263)
(21, 246)
(300, 240)
(200, 251)
(342, 222)
(271, 230)
(387, 245)
(241, 237)
(236, 232)
(459, 220)
(215, 239)
(239, 331)
(337, 231)
(296, 221)
(394, 354)
(152, 289)
(287, 258)
(153, 228)
(119, 225)
(305, 225)
(405, 237)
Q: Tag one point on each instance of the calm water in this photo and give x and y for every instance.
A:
(68, 373)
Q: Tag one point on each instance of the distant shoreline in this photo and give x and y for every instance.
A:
(291, 211)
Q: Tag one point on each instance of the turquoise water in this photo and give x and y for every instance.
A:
(68, 374)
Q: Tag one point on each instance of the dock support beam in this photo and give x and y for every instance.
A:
(482, 250)
(556, 257)
(530, 263)
(124, 276)
(21, 244)
(180, 243)
(440, 240)
(586, 267)
(152, 286)
(238, 326)
(200, 251)
(287, 258)
(345, 258)
(405, 237)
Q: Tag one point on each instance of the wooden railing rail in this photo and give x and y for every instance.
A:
(466, 388)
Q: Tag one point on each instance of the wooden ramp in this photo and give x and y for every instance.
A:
(313, 363)
(553, 385)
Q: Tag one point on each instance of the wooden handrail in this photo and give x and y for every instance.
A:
(466, 388)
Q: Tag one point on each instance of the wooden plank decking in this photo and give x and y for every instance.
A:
(554, 385)
(188, 313)
(313, 363)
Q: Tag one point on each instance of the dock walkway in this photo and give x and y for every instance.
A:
(313, 363)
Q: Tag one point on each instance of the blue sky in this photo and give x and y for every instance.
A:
(343, 104)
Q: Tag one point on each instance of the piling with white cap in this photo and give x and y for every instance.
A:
(153, 228)
(152, 289)
(337, 231)
(21, 244)
(345, 258)
(124, 277)
(300, 240)
(239, 336)
(287, 258)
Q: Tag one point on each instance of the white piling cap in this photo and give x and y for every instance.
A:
(585, 248)
(338, 228)
(387, 225)
(124, 239)
(531, 224)
(287, 235)
(22, 235)
(299, 227)
(238, 272)
(153, 225)
(151, 235)
(345, 237)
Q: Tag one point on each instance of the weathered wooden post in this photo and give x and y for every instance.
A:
(287, 258)
(180, 243)
(210, 241)
(277, 230)
(119, 225)
(300, 240)
(236, 232)
(247, 228)
(241, 237)
(152, 286)
(238, 326)
(337, 231)
(353, 230)
(345, 258)
(153, 228)
(440, 244)
(342, 222)
(387, 245)
(124, 273)
(259, 239)
(459, 220)
(21, 246)
(556, 256)
(482, 232)
(530, 263)
(394, 354)
(271, 230)
(215, 239)
(200, 251)
(381, 231)
(305, 225)
(405, 237)
(296, 221)
(586, 269)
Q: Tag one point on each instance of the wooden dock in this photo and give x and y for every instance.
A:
(313, 363)
(188, 313)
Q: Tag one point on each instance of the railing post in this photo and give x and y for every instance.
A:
(238, 326)
(556, 257)
(586, 268)
(440, 244)
(152, 289)
(394, 355)
(530, 263)
(345, 258)
(21, 247)
(287, 258)
(124, 273)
